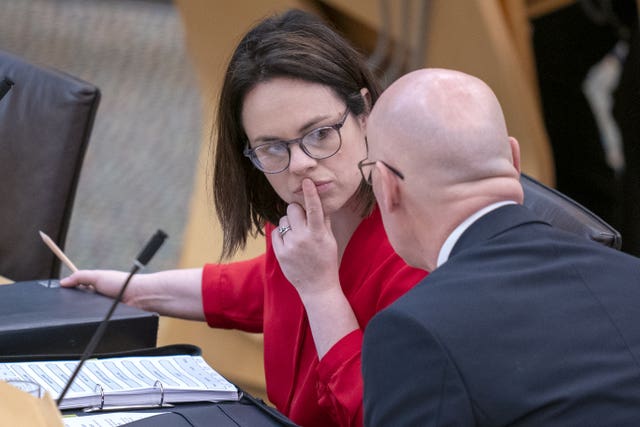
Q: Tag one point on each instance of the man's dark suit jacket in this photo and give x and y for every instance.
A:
(524, 325)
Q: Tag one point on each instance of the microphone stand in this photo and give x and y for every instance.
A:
(143, 258)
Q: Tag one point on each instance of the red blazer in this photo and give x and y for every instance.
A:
(254, 296)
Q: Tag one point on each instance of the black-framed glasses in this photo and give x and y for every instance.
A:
(366, 167)
(320, 143)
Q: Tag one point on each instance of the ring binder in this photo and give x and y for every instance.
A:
(132, 381)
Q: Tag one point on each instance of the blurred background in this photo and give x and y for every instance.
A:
(566, 71)
(140, 162)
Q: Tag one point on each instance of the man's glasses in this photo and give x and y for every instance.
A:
(366, 168)
(320, 143)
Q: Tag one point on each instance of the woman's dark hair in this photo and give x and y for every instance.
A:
(298, 45)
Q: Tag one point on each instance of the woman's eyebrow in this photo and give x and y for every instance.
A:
(307, 126)
(313, 122)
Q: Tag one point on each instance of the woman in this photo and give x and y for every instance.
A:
(290, 132)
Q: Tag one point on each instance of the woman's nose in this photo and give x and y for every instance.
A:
(299, 160)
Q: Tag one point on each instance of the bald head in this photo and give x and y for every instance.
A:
(445, 131)
(446, 123)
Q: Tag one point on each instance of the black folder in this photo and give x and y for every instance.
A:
(39, 317)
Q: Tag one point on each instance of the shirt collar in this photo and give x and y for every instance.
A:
(448, 245)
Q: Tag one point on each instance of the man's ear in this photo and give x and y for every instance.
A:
(388, 187)
(515, 152)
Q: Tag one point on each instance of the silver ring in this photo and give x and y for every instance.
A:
(283, 230)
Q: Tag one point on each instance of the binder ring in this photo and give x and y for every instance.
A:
(101, 406)
(156, 384)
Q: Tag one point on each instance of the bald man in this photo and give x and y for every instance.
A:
(518, 323)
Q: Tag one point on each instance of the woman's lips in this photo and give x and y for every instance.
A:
(321, 187)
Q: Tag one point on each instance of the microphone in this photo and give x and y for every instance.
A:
(143, 258)
(150, 249)
(5, 86)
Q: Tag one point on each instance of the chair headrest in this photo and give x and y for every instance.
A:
(46, 119)
(567, 214)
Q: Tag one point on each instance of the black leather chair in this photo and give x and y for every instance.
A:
(46, 118)
(565, 213)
